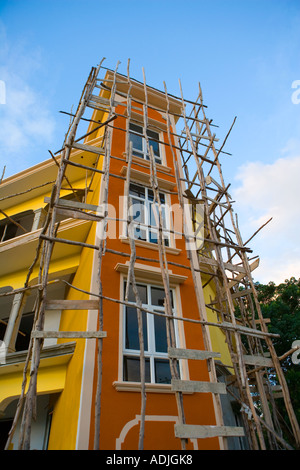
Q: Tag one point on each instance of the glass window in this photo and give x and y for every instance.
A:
(155, 337)
(145, 214)
(139, 143)
(9, 230)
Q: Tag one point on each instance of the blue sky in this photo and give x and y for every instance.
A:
(245, 54)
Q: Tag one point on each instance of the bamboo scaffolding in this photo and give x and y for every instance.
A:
(248, 273)
(221, 241)
(199, 295)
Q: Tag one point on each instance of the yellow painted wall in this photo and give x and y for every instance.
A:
(65, 416)
(217, 336)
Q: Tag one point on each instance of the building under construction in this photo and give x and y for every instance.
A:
(129, 318)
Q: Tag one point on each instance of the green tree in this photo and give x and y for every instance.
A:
(281, 304)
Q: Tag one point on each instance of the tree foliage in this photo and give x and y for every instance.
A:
(281, 304)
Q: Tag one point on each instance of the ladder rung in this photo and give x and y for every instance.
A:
(189, 431)
(88, 148)
(69, 242)
(199, 387)
(191, 354)
(72, 304)
(68, 334)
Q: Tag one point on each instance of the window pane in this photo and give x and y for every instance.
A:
(137, 210)
(158, 295)
(132, 369)
(154, 215)
(162, 198)
(142, 293)
(137, 191)
(162, 371)
(136, 128)
(155, 147)
(22, 341)
(140, 234)
(166, 238)
(131, 329)
(137, 140)
(153, 237)
(160, 333)
(153, 134)
(150, 195)
(10, 231)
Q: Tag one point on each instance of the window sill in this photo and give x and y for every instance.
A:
(150, 273)
(146, 163)
(144, 179)
(151, 246)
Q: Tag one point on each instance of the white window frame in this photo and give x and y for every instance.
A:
(146, 209)
(151, 352)
(143, 152)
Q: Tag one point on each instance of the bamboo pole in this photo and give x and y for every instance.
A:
(101, 252)
(162, 255)
(131, 275)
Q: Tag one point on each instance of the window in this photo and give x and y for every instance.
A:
(155, 338)
(145, 214)
(9, 230)
(139, 144)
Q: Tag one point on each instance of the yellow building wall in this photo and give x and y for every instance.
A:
(218, 339)
(66, 412)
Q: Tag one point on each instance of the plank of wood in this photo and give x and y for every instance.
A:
(247, 331)
(68, 334)
(258, 361)
(235, 295)
(72, 304)
(88, 148)
(189, 431)
(191, 354)
(77, 205)
(73, 214)
(103, 101)
(238, 278)
(241, 293)
(201, 136)
(228, 266)
(198, 387)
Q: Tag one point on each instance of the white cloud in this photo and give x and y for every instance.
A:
(271, 190)
(25, 119)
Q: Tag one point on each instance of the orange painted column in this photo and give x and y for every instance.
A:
(120, 410)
